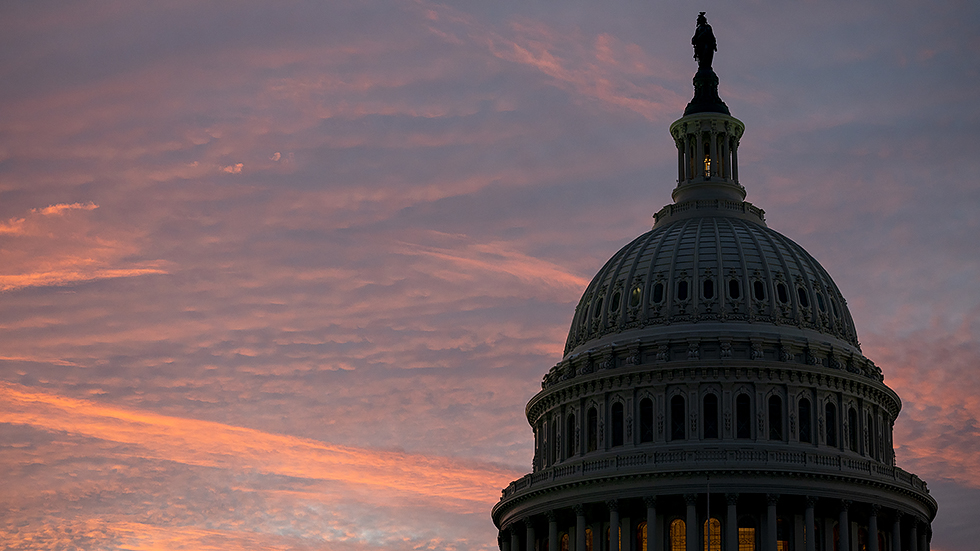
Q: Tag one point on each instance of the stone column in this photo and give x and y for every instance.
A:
(699, 158)
(579, 528)
(692, 521)
(771, 500)
(515, 541)
(530, 533)
(873, 528)
(680, 161)
(810, 524)
(914, 534)
(713, 153)
(613, 506)
(897, 532)
(844, 526)
(653, 541)
(735, 161)
(552, 531)
(502, 542)
(731, 522)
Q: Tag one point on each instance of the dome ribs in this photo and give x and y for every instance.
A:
(721, 291)
(766, 271)
(671, 279)
(638, 257)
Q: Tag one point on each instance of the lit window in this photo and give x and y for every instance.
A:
(712, 536)
(746, 539)
(678, 535)
(635, 296)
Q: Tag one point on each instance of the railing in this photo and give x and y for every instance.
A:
(715, 458)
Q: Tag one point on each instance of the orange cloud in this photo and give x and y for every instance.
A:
(62, 207)
(47, 247)
(466, 486)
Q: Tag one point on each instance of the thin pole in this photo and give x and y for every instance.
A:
(708, 507)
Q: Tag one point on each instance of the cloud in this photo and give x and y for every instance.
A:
(61, 208)
(210, 444)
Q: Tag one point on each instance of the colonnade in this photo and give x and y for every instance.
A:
(738, 522)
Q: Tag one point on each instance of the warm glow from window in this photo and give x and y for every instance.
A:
(712, 537)
(746, 539)
(707, 165)
(678, 536)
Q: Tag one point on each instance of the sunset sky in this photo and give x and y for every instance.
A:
(283, 275)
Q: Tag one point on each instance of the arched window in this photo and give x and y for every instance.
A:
(564, 542)
(743, 417)
(871, 436)
(852, 428)
(831, 419)
(553, 448)
(677, 418)
(806, 433)
(712, 535)
(592, 431)
(775, 418)
(617, 424)
(588, 539)
(678, 535)
(710, 416)
(570, 435)
(646, 420)
(641, 536)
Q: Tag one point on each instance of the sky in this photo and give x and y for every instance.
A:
(283, 275)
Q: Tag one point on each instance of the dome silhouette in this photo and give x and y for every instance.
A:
(712, 394)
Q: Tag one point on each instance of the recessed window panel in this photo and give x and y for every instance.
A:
(708, 289)
(658, 293)
(635, 295)
(804, 300)
(682, 290)
(617, 298)
(759, 290)
(734, 289)
(781, 293)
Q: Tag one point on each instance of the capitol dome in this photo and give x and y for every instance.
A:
(712, 269)
(712, 394)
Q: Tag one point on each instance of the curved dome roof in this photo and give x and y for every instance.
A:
(714, 268)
